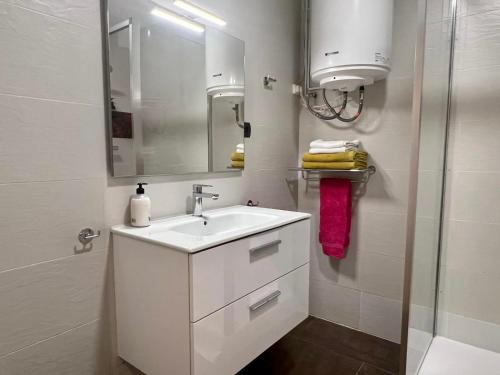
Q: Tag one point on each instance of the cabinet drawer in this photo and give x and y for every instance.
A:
(226, 341)
(225, 273)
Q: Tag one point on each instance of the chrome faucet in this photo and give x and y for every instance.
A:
(198, 196)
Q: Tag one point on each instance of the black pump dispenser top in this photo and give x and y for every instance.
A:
(140, 189)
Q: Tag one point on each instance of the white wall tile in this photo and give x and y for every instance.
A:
(475, 197)
(262, 151)
(387, 192)
(46, 140)
(49, 298)
(479, 333)
(471, 293)
(68, 67)
(81, 12)
(478, 43)
(382, 275)
(76, 352)
(44, 220)
(476, 146)
(392, 152)
(54, 151)
(343, 272)
(387, 101)
(381, 317)
(276, 188)
(334, 303)
(379, 232)
(472, 246)
(470, 7)
(404, 27)
(474, 97)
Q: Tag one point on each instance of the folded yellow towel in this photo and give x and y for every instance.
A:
(349, 156)
(237, 157)
(237, 164)
(341, 165)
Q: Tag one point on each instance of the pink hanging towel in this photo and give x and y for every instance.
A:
(335, 216)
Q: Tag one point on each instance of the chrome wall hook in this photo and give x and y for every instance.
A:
(87, 235)
(268, 80)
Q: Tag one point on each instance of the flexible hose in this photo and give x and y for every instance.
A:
(323, 117)
(338, 115)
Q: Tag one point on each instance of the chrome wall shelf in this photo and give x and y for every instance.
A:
(355, 175)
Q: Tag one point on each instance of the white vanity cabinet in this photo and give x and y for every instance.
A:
(212, 311)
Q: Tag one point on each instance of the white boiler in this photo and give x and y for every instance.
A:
(350, 42)
(225, 64)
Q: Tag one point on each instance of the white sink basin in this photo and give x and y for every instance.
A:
(192, 234)
(223, 222)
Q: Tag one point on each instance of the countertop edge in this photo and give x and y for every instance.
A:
(120, 231)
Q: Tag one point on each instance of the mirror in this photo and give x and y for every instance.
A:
(176, 92)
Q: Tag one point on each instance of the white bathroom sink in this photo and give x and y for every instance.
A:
(223, 222)
(192, 234)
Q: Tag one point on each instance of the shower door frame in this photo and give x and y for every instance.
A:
(419, 76)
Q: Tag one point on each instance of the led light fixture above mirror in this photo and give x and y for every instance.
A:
(178, 20)
(200, 12)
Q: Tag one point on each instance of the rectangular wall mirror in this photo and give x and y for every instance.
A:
(176, 92)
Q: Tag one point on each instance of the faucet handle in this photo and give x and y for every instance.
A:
(199, 187)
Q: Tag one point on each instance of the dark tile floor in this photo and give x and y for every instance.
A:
(318, 347)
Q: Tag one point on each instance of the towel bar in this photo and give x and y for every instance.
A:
(355, 175)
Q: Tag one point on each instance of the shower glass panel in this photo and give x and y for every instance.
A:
(430, 189)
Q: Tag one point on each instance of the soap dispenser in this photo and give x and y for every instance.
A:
(140, 208)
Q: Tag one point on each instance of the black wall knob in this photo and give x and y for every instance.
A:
(247, 130)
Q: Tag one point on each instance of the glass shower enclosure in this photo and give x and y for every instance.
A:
(452, 260)
(436, 27)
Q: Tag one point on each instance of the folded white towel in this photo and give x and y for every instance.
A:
(334, 150)
(320, 143)
(240, 148)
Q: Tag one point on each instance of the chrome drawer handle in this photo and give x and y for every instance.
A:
(265, 246)
(265, 300)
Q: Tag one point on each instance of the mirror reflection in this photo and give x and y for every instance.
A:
(176, 92)
(226, 90)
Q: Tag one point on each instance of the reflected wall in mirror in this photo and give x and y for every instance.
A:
(226, 92)
(176, 92)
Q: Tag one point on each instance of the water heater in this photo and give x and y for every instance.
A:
(225, 64)
(350, 42)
